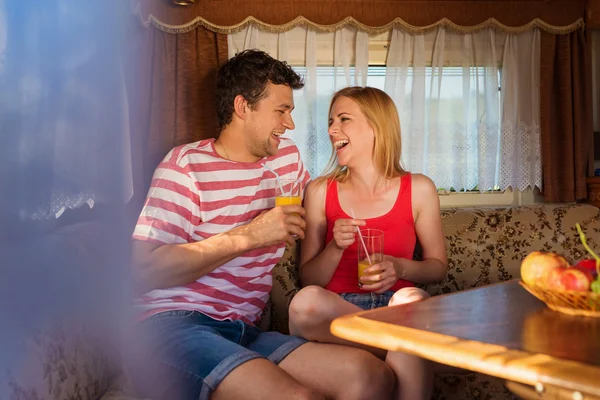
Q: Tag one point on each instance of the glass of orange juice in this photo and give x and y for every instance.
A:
(371, 244)
(292, 192)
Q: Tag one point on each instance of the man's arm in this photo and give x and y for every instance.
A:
(164, 266)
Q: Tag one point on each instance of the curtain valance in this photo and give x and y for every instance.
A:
(372, 16)
(397, 23)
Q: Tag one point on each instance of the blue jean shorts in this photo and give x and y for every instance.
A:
(188, 354)
(368, 301)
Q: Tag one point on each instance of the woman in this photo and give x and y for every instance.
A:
(367, 187)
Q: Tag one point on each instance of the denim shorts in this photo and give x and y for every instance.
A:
(187, 354)
(368, 301)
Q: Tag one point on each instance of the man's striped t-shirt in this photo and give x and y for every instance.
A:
(195, 194)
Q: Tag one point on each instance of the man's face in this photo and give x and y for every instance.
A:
(269, 120)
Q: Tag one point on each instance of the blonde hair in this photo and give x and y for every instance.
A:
(382, 114)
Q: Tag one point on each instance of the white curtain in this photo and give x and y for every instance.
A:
(469, 107)
(328, 62)
(468, 103)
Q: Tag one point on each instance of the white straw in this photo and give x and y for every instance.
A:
(276, 176)
(361, 239)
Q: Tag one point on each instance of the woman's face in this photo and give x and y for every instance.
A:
(350, 133)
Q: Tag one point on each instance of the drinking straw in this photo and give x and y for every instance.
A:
(361, 239)
(276, 176)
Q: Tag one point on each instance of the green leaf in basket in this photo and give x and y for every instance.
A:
(596, 285)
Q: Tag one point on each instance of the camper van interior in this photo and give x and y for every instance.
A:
(498, 104)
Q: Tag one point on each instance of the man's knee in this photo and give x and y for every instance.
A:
(368, 377)
(408, 295)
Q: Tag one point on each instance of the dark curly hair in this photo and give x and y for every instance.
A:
(247, 74)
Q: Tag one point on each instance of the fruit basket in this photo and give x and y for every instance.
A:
(567, 301)
(573, 290)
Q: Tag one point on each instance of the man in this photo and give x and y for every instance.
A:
(205, 244)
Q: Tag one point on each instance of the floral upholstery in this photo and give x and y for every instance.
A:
(285, 285)
(483, 245)
(60, 363)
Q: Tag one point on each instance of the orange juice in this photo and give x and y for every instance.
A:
(362, 265)
(287, 200)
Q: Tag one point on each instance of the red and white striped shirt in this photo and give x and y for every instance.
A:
(196, 194)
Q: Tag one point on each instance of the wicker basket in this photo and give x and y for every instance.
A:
(568, 301)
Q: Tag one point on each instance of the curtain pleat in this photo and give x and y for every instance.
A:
(566, 116)
(173, 81)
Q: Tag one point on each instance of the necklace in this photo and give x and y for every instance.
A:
(224, 150)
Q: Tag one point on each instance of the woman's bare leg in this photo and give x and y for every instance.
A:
(414, 375)
(312, 310)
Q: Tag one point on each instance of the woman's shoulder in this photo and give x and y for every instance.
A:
(422, 185)
(317, 187)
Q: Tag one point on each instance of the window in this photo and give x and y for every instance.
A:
(449, 89)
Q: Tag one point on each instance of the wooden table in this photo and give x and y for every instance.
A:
(500, 330)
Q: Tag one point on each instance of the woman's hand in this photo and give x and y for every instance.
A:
(344, 231)
(382, 276)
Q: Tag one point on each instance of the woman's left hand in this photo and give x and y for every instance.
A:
(382, 276)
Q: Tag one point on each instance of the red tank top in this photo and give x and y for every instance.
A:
(399, 236)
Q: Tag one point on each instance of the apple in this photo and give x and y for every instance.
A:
(570, 278)
(554, 279)
(587, 265)
(585, 271)
(536, 267)
(576, 280)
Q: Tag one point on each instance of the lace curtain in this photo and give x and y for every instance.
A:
(468, 103)
(469, 106)
(63, 110)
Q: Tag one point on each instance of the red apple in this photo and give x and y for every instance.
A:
(585, 271)
(587, 265)
(536, 267)
(576, 280)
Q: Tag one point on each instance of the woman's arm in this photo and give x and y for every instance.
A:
(428, 226)
(318, 260)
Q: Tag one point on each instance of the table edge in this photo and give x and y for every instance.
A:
(491, 359)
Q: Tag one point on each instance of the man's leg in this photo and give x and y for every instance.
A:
(261, 379)
(187, 355)
(340, 372)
